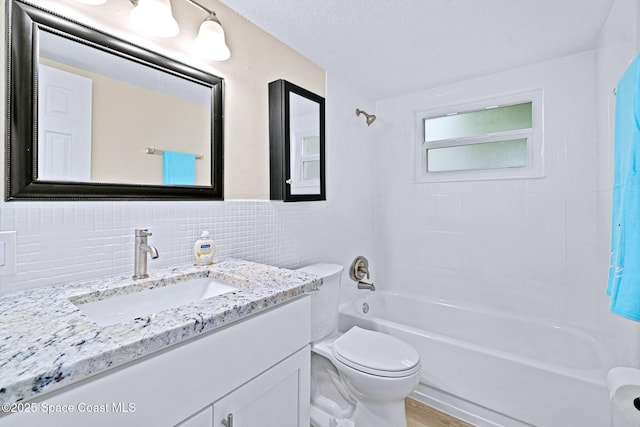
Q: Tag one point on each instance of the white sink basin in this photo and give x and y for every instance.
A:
(122, 308)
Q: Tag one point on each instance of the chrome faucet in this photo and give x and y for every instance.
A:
(141, 250)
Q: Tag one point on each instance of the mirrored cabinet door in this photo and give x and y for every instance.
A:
(296, 143)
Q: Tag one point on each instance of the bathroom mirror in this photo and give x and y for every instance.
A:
(296, 143)
(93, 117)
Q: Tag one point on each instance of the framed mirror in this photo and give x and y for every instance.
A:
(296, 143)
(93, 117)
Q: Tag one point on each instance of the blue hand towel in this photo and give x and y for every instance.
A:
(179, 168)
(624, 271)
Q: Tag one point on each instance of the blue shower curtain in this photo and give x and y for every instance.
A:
(624, 270)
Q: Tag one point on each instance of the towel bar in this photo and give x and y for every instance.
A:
(157, 151)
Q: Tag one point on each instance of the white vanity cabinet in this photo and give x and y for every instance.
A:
(203, 418)
(271, 399)
(256, 369)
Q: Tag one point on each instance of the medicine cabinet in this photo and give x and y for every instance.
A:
(296, 143)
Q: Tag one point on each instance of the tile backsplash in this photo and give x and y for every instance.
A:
(64, 241)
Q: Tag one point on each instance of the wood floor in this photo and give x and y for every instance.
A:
(419, 415)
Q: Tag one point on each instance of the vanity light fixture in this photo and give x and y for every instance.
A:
(155, 17)
(210, 42)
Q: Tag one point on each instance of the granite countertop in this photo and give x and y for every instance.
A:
(46, 342)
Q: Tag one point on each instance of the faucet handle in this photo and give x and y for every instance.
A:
(359, 269)
(143, 232)
(363, 270)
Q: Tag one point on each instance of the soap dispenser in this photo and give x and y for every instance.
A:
(204, 249)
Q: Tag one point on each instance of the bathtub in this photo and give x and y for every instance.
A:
(489, 368)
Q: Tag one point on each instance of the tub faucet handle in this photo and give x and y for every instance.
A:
(359, 269)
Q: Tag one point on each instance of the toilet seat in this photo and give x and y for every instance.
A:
(376, 353)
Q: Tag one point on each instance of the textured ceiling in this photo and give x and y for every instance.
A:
(390, 48)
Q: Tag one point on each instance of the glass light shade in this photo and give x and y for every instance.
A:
(154, 17)
(92, 2)
(210, 42)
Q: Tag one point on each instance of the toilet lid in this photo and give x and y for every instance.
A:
(376, 353)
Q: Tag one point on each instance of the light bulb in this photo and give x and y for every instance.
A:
(210, 42)
(154, 17)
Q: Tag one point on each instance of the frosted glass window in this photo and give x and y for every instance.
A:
(311, 146)
(493, 138)
(489, 155)
(311, 170)
(474, 123)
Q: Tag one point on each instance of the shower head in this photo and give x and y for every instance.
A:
(370, 117)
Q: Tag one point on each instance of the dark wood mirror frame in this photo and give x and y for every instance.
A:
(22, 127)
(280, 141)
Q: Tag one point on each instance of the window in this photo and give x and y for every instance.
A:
(305, 161)
(310, 158)
(493, 139)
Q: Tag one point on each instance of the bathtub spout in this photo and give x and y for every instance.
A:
(365, 285)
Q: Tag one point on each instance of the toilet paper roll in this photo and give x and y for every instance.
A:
(621, 376)
(624, 388)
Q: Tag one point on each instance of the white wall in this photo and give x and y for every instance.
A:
(617, 46)
(350, 176)
(526, 246)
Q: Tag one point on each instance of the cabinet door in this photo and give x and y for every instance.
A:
(278, 397)
(203, 418)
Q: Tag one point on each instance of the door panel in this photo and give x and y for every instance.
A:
(64, 125)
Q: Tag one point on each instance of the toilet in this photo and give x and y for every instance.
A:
(359, 378)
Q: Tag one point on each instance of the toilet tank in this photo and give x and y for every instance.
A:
(324, 303)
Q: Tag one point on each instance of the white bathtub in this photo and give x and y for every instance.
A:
(492, 368)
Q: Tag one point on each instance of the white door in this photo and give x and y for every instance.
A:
(64, 125)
